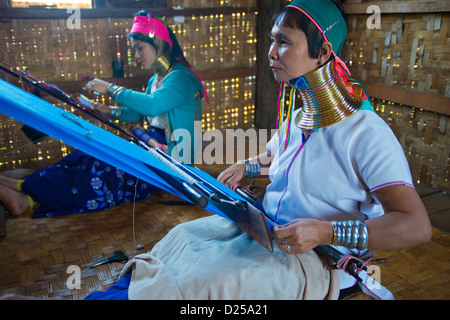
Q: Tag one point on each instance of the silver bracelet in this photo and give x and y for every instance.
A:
(116, 112)
(252, 168)
(350, 234)
(114, 90)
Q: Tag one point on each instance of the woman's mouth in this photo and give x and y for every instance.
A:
(275, 69)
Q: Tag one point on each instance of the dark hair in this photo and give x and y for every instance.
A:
(295, 19)
(176, 54)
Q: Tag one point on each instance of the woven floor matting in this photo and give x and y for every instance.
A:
(36, 253)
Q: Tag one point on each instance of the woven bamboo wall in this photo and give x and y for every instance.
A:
(425, 137)
(409, 51)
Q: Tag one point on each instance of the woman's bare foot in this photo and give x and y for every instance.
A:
(16, 202)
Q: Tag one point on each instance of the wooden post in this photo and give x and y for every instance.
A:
(266, 86)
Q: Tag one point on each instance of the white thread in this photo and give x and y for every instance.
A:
(18, 148)
(139, 246)
(177, 170)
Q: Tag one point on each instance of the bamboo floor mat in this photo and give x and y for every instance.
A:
(36, 253)
(416, 273)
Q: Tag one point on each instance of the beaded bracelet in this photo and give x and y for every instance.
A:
(350, 234)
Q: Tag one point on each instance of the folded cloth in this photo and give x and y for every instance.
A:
(212, 258)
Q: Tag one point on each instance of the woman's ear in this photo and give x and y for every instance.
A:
(325, 52)
(157, 40)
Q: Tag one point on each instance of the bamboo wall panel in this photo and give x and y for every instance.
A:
(49, 50)
(425, 138)
(409, 51)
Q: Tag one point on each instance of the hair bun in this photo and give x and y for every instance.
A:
(141, 13)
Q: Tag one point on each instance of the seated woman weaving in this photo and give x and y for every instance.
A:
(80, 183)
(334, 164)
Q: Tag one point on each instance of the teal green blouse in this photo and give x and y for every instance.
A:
(176, 98)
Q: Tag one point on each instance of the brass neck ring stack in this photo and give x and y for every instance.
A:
(162, 66)
(326, 98)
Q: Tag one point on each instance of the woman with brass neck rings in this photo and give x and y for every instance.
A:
(338, 174)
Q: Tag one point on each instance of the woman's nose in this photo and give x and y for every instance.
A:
(272, 54)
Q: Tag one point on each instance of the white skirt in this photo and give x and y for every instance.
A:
(212, 258)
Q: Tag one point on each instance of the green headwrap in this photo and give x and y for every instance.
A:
(327, 18)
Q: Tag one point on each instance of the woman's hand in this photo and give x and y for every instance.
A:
(163, 147)
(303, 235)
(102, 108)
(236, 172)
(97, 86)
(233, 174)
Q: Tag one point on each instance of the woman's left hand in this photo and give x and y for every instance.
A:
(232, 175)
(303, 235)
(97, 86)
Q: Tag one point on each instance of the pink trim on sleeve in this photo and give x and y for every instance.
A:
(390, 184)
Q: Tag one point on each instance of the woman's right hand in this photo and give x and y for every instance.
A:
(233, 174)
(97, 86)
